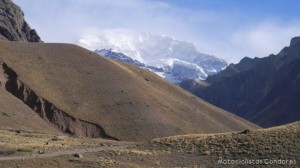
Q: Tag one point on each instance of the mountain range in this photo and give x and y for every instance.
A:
(265, 90)
(171, 59)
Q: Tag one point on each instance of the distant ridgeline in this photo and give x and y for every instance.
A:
(265, 91)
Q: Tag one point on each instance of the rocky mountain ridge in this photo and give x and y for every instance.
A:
(265, 90)
(13, 26)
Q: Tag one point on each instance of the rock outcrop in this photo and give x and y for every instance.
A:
(13, 26)
(49, 112)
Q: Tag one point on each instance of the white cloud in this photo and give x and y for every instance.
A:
(263, 39)
(58, 20)
(224, 34)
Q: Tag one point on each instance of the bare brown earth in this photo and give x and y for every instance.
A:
(83, 94)
(199, 150)
(14, 115)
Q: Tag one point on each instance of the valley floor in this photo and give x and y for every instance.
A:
(273, 147)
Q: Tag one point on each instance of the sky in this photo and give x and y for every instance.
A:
(228, 29)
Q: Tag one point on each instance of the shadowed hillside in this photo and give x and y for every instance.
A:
(265, 91)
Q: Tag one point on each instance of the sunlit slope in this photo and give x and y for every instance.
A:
(127, 102)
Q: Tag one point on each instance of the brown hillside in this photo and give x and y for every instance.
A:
(14, 115)
(87, 95)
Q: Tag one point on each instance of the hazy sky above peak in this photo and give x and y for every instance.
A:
(229, 29)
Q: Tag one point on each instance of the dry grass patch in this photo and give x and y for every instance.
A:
(277, 142)
(135, 152)
(22, 142)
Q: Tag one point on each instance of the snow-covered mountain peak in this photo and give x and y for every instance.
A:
(154, 50)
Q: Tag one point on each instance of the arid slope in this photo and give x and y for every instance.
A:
(15, 115)
(84, 94)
